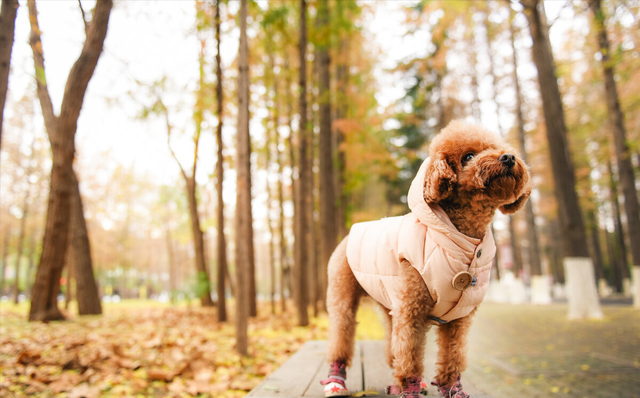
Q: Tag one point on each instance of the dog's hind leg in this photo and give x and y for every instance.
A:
(452, 354)
(343, 297)
(409, 330)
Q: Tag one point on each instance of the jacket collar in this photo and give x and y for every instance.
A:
(435, 218)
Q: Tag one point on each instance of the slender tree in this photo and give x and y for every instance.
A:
(621, 263)
(300, 287)
(328, 230)
(7, 27)
(571, 223)
(61, 130)
(583, 297)
(532, 232)
(222, 244)
(616, 120)
(244, 233)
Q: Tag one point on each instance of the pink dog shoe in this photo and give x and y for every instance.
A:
(454, 390)
(334, 385)
(411, 388)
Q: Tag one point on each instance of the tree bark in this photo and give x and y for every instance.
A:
(61, 130)
(7, 27)
(532, 230)
(342, 108)
(328, 230)
(198, 241)
(300, 287)
(616, 120)
(23, 223)
(285, 276)
(5, 255)
(222, 244)
(244, 237)
(596, 252)
(515, 249)
(172, 261)
(87, 294)
(573, 235)
(272, 267)
(622, 264)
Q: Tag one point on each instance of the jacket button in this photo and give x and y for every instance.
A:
(462, 280)
(479, 253)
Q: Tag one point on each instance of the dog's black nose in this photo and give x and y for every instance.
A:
(508, 159)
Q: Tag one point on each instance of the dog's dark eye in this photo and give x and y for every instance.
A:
(467, 157)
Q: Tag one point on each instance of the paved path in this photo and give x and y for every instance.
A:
(535, 351)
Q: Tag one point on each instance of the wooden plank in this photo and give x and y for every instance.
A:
(354, 376)
(292, 379)
(301, 374)
(376, 372)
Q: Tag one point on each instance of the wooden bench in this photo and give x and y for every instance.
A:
(300, 376)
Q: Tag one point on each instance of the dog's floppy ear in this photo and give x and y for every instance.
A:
(439, 180)
(515, 206)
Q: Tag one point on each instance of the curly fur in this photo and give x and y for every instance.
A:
(469, 192)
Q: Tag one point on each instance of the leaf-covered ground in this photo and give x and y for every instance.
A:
(146, 349)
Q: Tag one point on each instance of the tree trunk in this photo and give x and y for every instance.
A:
(596, 252)
(244, 237)
(32, 260)
(61, 131)
(222, 244)
(204, 285)
(532, 231)
(616, 120)
(172, 262)
(612, 250)
(285, 276)
(515, 249)
(622, 246)
(69, 267)
(7, 27)
(573, 233)
(5, 255)
(23, 222)
(342, 79)
(300, 287)
(272, 266)
(283, 242)
(87, 294)
(328, 230)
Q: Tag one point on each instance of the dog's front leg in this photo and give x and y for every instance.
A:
(452, 353)
(409, 329)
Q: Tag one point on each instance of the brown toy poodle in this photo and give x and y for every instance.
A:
(431, 266)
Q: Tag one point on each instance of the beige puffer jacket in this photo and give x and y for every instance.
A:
(432, 244)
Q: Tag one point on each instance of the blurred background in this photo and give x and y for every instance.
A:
(179, 153)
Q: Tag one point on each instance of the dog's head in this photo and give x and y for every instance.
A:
(475, 165)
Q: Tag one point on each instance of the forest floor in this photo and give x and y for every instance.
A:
(148, 349)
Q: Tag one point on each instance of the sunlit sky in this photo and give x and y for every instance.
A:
(148, 40)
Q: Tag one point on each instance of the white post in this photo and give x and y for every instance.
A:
(626, 287)
(540, 289)
(581, 288)
(636, 286)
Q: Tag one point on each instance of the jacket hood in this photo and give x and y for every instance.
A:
(434, 217)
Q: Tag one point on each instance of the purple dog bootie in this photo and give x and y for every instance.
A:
(334, 385)
(411, 388)
(454, 390)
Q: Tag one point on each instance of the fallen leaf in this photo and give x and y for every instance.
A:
(65, 382)
(159, 375)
